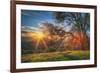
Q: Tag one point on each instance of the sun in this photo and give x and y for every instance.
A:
(39, 38)
(40, 35)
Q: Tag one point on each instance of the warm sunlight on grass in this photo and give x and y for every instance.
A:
(56, 56)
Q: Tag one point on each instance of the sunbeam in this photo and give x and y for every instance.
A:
(40, 36)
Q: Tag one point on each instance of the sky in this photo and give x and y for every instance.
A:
(34, 17)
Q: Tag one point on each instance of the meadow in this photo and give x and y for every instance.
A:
(56, 56)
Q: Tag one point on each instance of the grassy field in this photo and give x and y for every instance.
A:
(56, 56)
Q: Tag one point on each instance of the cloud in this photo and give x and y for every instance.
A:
(29, 28)
(24, 13)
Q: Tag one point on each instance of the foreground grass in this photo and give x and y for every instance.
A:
(56, 56)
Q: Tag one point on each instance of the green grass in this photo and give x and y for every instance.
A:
(56, 56)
